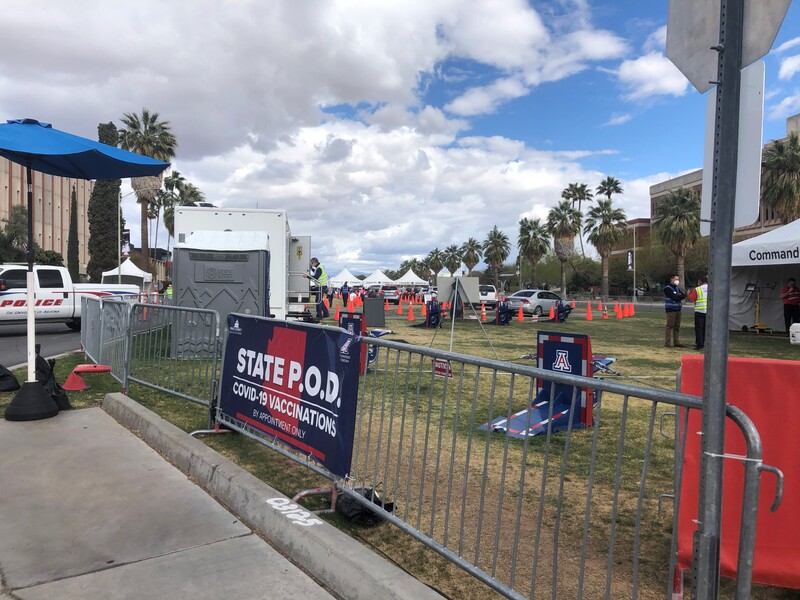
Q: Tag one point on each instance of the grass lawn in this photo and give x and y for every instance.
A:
(636, 343)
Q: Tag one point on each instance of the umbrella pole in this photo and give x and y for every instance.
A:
(32, 401)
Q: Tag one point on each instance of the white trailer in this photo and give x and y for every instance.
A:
(288, 255)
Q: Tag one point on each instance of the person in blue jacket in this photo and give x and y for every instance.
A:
(673, 296)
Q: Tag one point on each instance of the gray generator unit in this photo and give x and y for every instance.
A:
(226, 271)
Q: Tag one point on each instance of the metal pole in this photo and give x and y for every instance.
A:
(30, 281)
(726, 137)
(634, 263)
(119, 239)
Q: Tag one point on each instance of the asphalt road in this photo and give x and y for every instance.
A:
(55, 338)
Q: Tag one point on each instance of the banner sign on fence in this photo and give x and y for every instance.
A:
(567, 353)
(294, 382)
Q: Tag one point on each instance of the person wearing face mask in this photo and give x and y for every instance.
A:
(672, 305)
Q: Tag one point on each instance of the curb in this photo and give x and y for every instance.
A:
(327, 554)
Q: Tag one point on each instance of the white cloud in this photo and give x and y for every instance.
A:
(618, 119)
(482, 100)
(789, 67)
(792, 43)
(657, 40)
(651, 75)
(786, 108)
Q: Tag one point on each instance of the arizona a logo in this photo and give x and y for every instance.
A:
(561, 362)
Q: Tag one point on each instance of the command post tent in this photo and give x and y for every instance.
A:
(344, 276)
(377, 277)
(760, 268)
(128, 272)
(410, 278)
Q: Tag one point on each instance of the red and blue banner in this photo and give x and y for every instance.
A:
(294, 382)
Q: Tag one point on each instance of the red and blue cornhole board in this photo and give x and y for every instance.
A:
(562, 353)
(768, 391)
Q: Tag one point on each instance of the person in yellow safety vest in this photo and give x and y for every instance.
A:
(699, 295)
(319, 276)
(168, 293)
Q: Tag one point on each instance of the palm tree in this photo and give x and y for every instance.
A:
(146, 134)
(610, 185)
(471, 253)
(533, 242)
(564, 223)
(496, 249)
(435, 261)
(780, 180)
(578, 193)
(676, 221)
(452, 258)
(605, 226)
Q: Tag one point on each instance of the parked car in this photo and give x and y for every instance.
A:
(384, 292)
(533, 302)
(488, 295)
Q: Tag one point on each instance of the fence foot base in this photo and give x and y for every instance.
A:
(332, 490)
(216, 431)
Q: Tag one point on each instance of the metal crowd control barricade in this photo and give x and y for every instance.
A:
(569, 514)
(175, 350)
(104, 333)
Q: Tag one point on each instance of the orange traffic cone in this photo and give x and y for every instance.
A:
(326, 303)
(399, 307)
(599, 305)
(351, 306)
(605, 312)
(552, 315)
(336, 316)
(520, 316)
(424, 310)
(633, 312)
(588, 311)
(619, 312)
(573, 303)
(627, 309)
(483, 311)
(359, 301)
(410, 312)
(386, 306)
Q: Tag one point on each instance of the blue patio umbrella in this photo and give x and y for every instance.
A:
(40, 147)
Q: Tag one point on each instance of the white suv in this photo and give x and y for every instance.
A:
(488, 295)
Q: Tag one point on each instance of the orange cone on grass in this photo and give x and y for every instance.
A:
(386, 306)
(351, 306)
(424, 310)
(410, 312)
(605, 313)
(573, 303)
(619, 312)
(520, 316)
(399, 307)
(588, 311)
(483, 311)
(599, 305)
(633, 312)
(552, 314)
(336, 316)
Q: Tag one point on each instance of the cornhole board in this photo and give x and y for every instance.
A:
(768, 393)
(563, 353)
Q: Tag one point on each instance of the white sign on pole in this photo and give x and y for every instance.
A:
(693, 28)
(748, 169)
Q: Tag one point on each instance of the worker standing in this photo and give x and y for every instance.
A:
(319, 276)
(699, 295)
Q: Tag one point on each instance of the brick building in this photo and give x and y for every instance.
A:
(51, 204)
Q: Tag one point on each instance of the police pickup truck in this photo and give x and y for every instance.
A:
(57, 299)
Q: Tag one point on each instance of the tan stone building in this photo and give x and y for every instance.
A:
(51, 204)
(694, 181)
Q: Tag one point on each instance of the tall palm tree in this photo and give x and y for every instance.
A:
(435, 261)
(605, 226)
(578, 193)
(496, 249)
(471, 253)
(780, 181)
(609, 186)
(564, 223)
(676, 221)
(184, 194)
(533, 242)
(146, 134)
(452, 258)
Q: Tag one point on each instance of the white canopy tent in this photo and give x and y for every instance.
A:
(128, 273)
(410, 278)
(765, 263)
(344, 276)
(376, 277)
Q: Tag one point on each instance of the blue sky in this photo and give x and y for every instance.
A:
(384, 128)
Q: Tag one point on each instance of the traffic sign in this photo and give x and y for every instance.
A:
(693, 28)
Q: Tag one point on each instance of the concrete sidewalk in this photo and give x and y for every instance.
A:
(89, 510)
